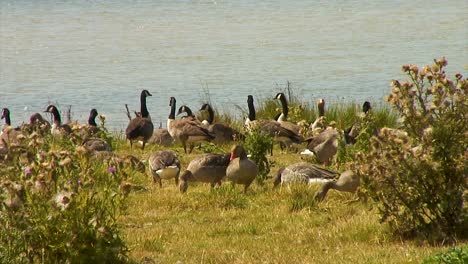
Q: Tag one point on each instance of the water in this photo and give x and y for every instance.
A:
(101, 54)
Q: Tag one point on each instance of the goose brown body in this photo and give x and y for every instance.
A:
(140, 127)
(347, 182)
(164, 165)
(209, 168)
(241, 170)
(303, 172)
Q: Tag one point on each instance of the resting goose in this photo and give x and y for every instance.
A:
(223, 133)
(189, 114)
(161, 137)
(352, 132)
(324, 145)
(347, 182)
(209, 168)
(186, 130)
(283, 117)
(57, 128)
(303, 172)
(241, 170)
(269, 127)
(9, 134)
(164, 165)
(140, 127)
(37, 123)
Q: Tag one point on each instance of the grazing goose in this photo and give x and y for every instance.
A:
(303, 172)
(319, 121)
(140, 127)
(347, 182)
(283, 117)
(96, 145)
(223, 133)
(57, 127)
(164, 165)
(269, 127)
(241, 170)
(352, 132)
(186, 130)
(209, 168)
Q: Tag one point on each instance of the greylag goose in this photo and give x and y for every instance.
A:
(164, 165)
(140, 127)
(303, 172)
(324, 145)
(209, 168)
(347, 182)
(161, 137)
(319, 121)
(241, 170)
(185, 130)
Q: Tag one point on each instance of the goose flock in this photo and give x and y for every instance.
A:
(321, 140)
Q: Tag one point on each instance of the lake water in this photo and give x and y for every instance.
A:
(101, 54)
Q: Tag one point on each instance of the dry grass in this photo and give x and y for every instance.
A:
(264, 226)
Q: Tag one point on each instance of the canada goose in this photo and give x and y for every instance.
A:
(140, 127)
(164, 165)
(189, 113)
(283, 117)
(92, 126)
(57, 128)
(186, 130)
(352, 132)
(223, 133)
(269, 127)
(347, 182)
(319, 121)
(303, 172)
(241, 170)
(324, 145)
(209, 168)
(9, 134)
(36, 123)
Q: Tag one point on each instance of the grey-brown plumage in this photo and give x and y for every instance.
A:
(96, 145)
(324, 145)
(347, 182)
(222, 132)
(164, 165)
(241, 170)
(162, 137)
(140, 127)
(303, 172)
(185, 130)
(209, 168)
(269, 127)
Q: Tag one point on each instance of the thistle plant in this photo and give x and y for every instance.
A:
(418, 173)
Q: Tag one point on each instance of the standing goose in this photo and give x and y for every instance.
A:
(347, 182)
(57, 127)
(186, 130)
(269, 127)
(140, 127)
(209, 168)
(352, 132)
(319, 121)
(9, 134)
(324, 145)
(283, 117)
(164, 165)
(223, 133)
(92, 126)
(303, 172)
(241, 170)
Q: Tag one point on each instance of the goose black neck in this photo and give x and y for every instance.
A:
(143, 110)
(6, 115)
(172, 104)
(188, 111)
(56, 114)
(92, 120)
(321, 110)
(210, 114)
(284, 104)
(251, 106)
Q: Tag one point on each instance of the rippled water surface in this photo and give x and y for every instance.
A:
(103, 53)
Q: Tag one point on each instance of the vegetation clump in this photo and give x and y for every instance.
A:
(417, 173)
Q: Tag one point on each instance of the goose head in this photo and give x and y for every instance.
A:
(92, 117)
(284, 103)
(321, 107)
(238, 151)
(366, 107)
(54, 111)
(145, 93)
(185, 109)
(6, 116)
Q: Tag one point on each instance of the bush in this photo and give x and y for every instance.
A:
(418, 173)
(58, 205)
(258, 145)
(453, 256)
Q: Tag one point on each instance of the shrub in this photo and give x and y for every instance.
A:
(452, 256)
(258, 145)
(418, 173)
(58, 205)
